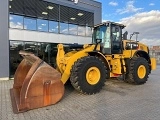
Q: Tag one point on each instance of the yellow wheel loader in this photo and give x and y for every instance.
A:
(111, 55)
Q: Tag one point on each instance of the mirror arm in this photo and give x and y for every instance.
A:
(97, 43)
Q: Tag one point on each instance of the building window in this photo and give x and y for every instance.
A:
(53, 11)
(16, 21)
(29, 23)
(41, 9)
(53, 26)
(64, 14)
(81, 30)
(29, 7)
(73, 16)
(16, 6)
(37, 48)
(42, 25)
(89, 31)
(64, 28)
(42, 16)
(73, 29)
(15, 58)
(30, 47)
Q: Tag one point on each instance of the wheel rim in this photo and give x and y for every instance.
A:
(141, 71)
(93, 75)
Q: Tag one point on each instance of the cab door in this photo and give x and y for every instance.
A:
(103, 33)
(116, 38)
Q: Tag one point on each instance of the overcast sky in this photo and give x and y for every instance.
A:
(138, 15)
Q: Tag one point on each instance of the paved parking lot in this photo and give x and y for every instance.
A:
(117, 101)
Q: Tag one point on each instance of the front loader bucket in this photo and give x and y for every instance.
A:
(36, 84)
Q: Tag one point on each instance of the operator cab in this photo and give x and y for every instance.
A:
(110, 36)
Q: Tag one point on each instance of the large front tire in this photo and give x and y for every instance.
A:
(88, 75)
(138, 71)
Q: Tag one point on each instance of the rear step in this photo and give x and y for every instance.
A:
(36, 84)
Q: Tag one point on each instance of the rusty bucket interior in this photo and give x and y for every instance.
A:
(36, 84)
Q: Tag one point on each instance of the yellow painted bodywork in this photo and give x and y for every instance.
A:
(115, 62)
(142, 47)
(65, 62)
(116, 65)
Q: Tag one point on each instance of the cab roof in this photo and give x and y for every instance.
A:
(109, 22)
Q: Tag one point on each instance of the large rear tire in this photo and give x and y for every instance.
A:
(88, 75)
(138, 71)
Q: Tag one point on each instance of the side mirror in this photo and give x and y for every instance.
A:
(134, 33)
(98, 41)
